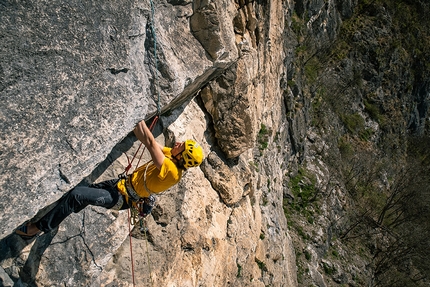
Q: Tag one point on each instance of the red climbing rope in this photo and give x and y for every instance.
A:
(131, 248)
(124, 174)
(130, 162)
(150, 128)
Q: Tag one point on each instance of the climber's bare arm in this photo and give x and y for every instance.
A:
(143, 133)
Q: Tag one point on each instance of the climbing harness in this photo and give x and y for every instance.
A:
(136, 202)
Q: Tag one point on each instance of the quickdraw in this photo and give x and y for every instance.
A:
(135, 216)
(141, 209)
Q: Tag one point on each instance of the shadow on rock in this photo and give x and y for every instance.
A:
(12, 260)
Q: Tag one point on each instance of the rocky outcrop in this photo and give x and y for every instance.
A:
(76, 77)
(224, 180)
(269, 89)
(76, 80)
(230, 113)
(353, 96)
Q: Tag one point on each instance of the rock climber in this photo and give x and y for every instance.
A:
(163, 171)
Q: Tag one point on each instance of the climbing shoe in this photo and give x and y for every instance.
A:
(23, 232)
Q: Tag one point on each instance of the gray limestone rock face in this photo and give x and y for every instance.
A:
(230, 111)
(210, 24)
(75, 78)
(224, 180)
(64, 69)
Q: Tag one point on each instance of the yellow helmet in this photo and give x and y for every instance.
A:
(193, 154)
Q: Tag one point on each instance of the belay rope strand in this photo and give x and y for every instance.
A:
(133, 212)
(130, 162)
(154, 35)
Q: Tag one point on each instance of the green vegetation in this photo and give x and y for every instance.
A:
(263, 138)
(308, 255)
(254, 165)
(300, 231)
(300, 270)
(373, 110)
(345, 147)
(386, 175)
(304, 203)
(329, 270)
(291, 83)
(353, 122)
(303, 187)
(297, 25)
(265, 200)
(312, 67)
(335, 254)
(356, 126)
(239, 270)
(261, 265)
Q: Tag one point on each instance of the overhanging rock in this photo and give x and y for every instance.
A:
(75, 79)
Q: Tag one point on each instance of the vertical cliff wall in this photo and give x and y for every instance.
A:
(76, 77)
(358, 81)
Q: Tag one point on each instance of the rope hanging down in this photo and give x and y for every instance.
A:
(157, 90)
(131, 252)
(130, 162)
(154, 36)
(133, 215)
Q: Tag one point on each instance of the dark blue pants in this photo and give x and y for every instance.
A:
(103, 194)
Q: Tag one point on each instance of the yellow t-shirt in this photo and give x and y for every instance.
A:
(156, 180)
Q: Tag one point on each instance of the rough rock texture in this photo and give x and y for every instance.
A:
(76, 77)
(224, 180)
(363, 74)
